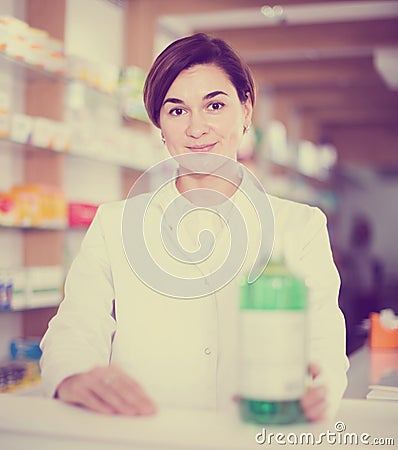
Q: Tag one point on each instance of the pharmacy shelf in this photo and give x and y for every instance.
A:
(76, 154)
(291, 171)
(30, 73)
(33, 228)
(33, 389)
(51, 304)
(27, 228)
(25, 72)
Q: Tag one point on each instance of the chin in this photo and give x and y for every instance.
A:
(204, 162)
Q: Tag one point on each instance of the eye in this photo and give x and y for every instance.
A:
(215, 106)
(177, 112)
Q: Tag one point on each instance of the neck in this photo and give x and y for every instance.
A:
(209, 189)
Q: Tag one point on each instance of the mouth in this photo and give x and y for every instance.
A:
(201, 148)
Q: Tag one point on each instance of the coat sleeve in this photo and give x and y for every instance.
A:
(79, 337)
(326, 332)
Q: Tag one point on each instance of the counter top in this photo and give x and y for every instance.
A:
(370, 366)
(39, 423)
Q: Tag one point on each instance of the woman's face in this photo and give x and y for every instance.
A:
(202, 113)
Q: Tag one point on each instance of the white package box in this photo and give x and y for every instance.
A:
(43, 132)
(45, 285)
(21, 128)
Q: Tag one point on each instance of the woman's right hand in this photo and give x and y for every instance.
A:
(107, 390)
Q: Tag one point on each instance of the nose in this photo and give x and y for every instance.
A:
(197, 125)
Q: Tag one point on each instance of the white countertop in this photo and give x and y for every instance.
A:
(29, 421)
(370, 366)
(36, 423)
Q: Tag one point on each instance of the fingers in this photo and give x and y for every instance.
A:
(106, 390)
(314, 370)
(123, 394)
(75, 390)
(90, 400)
(314, 403)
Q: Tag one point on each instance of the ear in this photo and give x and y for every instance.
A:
(248, 110)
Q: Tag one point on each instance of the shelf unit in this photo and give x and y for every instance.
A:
(56, 84)
(30, 72)
(74, 153)
(44, 95)
(44, 306)
(43, 167)
(43, 228)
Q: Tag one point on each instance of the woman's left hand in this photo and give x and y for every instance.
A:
(314, 402)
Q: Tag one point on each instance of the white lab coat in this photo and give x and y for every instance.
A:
(184, 352)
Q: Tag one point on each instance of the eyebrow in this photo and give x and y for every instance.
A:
(206, 97)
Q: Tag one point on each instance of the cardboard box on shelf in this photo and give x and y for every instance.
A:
(81, 214)
(13, 34)
(39, 205)
(380, 336)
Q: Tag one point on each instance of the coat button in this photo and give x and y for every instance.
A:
(207, 351)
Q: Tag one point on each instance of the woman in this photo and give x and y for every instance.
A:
(131, 334)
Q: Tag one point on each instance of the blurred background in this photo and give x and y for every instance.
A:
(74, 134)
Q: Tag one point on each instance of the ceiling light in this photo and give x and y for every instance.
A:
(272, 11)
(386, 63)
(267, 11)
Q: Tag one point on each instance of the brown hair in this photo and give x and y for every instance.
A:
(185, 53)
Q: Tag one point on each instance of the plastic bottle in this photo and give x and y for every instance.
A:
(3, 295)
(273, 347)
(6, 289)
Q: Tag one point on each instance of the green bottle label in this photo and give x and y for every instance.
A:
(273, 341)
(274, 291)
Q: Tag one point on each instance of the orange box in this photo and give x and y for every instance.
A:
(381, 337)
